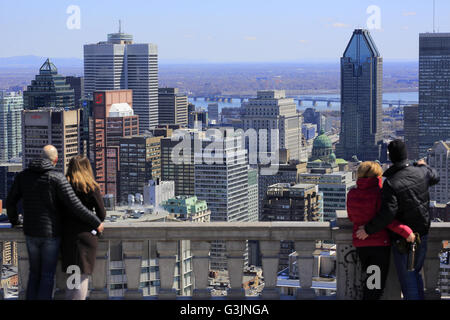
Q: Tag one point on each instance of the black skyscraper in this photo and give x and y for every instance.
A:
(48, 90)
(434, 90)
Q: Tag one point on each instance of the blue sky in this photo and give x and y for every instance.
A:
(220, 31)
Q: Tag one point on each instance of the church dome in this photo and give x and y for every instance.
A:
(322, 141)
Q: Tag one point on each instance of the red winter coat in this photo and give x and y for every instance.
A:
(363, 203)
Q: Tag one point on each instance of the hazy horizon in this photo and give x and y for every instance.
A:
(196, 31)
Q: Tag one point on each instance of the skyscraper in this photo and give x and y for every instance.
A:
(173, 107)
(434, 89)
(272, 110)
(121, 64)
(286, 202)
(181, 173)
(57, 127)
(361, 99)
(77, 84)
(140, 161)
(221, 179)
(11, 106)
(48, 90)
(213, 111)
(439, 158)
(411, 128)
(113, 119)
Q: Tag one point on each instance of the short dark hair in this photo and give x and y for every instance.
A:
(397, 151)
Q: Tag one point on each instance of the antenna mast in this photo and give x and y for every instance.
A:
(120, 26)
(434, 15)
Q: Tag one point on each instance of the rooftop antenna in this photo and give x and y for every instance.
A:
(120, 26)
(434, 15)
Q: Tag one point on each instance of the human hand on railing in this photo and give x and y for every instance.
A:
(411, 238)
(361, 233)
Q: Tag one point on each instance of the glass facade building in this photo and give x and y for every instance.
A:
(361, 99)
(434, 90)
(11, 106)
(49, 90)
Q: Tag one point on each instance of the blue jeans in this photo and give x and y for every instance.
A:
(411, 282)
(43, 257)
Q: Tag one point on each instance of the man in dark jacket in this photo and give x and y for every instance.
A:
(406, 198)
(46, 196)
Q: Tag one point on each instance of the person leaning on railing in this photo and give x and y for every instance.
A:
(46, 196)
(406, 198)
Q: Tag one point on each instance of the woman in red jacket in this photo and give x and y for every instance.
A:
(363, 203)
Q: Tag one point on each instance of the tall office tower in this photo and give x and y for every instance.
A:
(286, 202)
(172, 106)
(411, 128)
(113, 119)
(272, 110)
(121, 64)
(48, 90)
(361, 99)
(11, 106)
(334, 187)
(182, 173)
(434, 89)
(77, 84)
(140, 161)
(8, 172)
(439, 158)
(213, 112)
(58, 127)
(221, 179)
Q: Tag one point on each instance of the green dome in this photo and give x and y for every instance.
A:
(332, 157)
(322, 141)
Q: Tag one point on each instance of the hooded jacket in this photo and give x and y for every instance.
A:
(363, 203)
(405, 198)
(46, 195)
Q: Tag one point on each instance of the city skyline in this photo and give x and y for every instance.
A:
(246, 37)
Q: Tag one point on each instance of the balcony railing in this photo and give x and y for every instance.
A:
(131, 237)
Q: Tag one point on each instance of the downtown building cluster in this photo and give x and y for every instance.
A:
(130, 130)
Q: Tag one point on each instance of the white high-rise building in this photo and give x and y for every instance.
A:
(272, 110)
(121, 64)
(11, 106)
(221, 179)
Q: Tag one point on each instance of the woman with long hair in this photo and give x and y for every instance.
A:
(79, 242)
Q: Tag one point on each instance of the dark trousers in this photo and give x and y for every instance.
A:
(411, 281)
(43, 257)
(377, 256)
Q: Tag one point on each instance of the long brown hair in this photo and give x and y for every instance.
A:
(80, 174)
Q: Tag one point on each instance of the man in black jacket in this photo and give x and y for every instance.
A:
(405, 198)
(46, 196)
